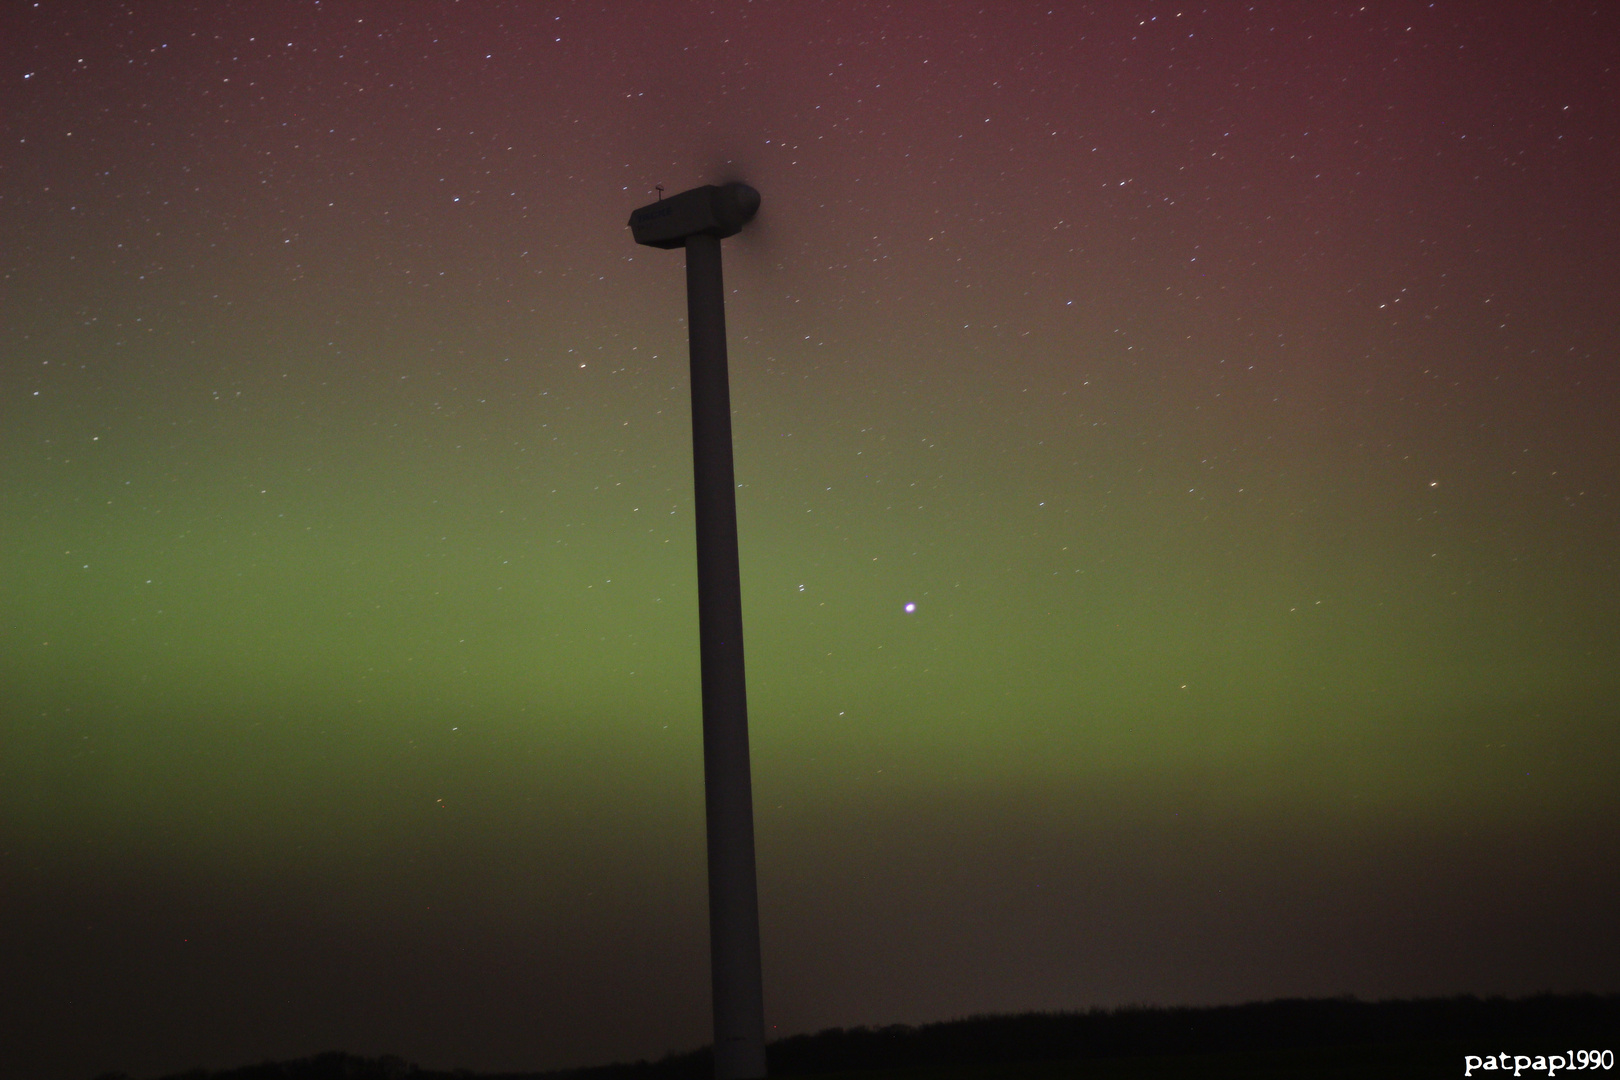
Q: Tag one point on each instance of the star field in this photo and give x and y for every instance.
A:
(1178, 492)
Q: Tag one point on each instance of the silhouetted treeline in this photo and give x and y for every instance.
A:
(1547, 1021)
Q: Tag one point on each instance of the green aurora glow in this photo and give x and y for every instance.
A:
(1261, 526)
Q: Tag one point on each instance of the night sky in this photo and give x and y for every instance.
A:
(1179, 499)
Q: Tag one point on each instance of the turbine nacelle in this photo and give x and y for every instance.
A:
(718, 210)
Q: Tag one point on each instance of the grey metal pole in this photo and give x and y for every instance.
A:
(698, 220)
(739, 1010)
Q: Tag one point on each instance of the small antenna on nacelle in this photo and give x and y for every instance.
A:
(660, 189)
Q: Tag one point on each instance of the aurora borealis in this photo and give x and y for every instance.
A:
(1231, 389)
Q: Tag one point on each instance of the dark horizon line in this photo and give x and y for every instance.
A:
(1125, 1031)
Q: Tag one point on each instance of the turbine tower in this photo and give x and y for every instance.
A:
(698, 220)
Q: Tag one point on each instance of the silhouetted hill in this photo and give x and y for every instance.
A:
(1335, 1026)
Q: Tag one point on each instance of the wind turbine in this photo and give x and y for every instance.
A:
(698, 220)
